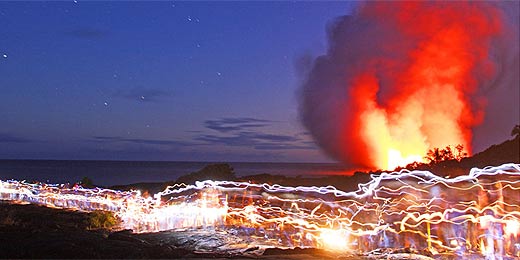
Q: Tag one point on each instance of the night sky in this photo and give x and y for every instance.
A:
(180, 81)
(157, 81)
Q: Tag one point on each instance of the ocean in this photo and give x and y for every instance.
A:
(108, 173)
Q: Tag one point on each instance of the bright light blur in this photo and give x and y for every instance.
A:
(334, 240)
(396, 159)
(512, 227)
(477, 213)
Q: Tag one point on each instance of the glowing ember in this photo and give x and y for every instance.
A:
(478, 213)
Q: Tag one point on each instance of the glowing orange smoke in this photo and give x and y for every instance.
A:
(430, 105)
(412, 71)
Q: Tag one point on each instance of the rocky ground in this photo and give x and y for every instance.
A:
(31, 231)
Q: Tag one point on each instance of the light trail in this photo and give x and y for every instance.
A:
(469, 214)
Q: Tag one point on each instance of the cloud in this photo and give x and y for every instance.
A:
(143, 94)
(244, 132)
(238, 132)
(225, 125)
(283, 147)
(273, 137)
(117, 139)
(87, 33)
(256, 140)
(154, 153)
(9, 138)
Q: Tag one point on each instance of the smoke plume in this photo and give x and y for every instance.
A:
(400, 78)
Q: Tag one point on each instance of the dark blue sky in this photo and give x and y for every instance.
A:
(157, 81)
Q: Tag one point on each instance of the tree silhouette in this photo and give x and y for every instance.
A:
(516, 131)
(86, 182)
(437, 155)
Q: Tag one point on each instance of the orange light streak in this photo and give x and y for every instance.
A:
(478, 213)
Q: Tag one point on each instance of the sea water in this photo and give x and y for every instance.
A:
(108, 173)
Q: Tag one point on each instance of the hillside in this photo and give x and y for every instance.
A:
(498, 154)
(506, 152)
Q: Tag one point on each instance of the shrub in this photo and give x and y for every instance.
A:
(437, 155)
(86, 182)
(8, 221)
(516, 131)
(102, 219)
(216, 172)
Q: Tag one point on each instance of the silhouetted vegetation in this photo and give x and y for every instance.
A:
(216, 172)
(450, 161)
(102, 219)
(437, 155)
(67, 234)
(516, 131)
(455, 162)
(86, 182)
(37, 232)
(413, 166)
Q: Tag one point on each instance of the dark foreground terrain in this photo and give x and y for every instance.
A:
(31, 231)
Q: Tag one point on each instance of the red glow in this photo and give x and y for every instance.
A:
(428, 98)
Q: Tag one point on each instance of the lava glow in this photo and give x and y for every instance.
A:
(403, 77)
(478, 213)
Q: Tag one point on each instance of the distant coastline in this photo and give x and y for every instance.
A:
(156, 174)
(109, 173)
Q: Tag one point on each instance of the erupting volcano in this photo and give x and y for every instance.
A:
(402, 78)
